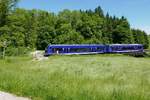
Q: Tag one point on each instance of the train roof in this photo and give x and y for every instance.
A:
(87, 44)
(126, 45)
(76, 45)
(90, 45)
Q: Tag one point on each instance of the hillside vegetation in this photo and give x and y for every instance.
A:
(88, 77)
(95, 77)
(37, 28)
(149, 41)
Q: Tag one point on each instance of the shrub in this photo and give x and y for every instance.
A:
(1, 53)
(20, 51)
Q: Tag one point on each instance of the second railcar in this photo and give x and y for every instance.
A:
(126, 48)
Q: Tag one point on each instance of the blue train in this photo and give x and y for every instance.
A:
(93, 49)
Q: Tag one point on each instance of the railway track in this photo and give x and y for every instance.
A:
(147, 51)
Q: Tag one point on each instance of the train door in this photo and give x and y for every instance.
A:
(55, 50)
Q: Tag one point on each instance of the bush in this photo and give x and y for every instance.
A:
(1, 53)
(20, 51)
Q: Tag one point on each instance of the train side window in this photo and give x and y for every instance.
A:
(100, 49)
(79, 49)
(115, 48)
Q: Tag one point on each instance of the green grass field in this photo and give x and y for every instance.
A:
(88, 77)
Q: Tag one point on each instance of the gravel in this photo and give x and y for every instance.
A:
(38, 55)
(7, 96)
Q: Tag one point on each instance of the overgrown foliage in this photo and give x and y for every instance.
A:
(97, 77)
(149, 41)
(37, 28)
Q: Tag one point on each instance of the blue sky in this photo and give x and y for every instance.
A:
(136, 11)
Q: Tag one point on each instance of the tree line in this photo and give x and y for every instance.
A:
(38, 28)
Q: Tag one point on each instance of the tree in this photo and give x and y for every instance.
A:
(99, 11)
(121, 33)
(23, 28)
(91, 27)
(72, 37)
(45, 29)
(38, 28)
(140, 37)
(107, 29)
(6, 6)
(4, 44)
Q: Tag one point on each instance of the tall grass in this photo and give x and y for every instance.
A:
(93, 77)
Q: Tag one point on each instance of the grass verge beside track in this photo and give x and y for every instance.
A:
(83, 77)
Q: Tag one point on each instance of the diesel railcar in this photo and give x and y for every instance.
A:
(93, 49)
(75, 49)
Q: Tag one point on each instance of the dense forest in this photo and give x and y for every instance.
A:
(35, 29)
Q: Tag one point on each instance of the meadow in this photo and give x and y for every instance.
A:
(84, 77)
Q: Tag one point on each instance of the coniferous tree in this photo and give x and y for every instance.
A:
(99, 11)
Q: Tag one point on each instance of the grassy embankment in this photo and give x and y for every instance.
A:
(95, 77)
